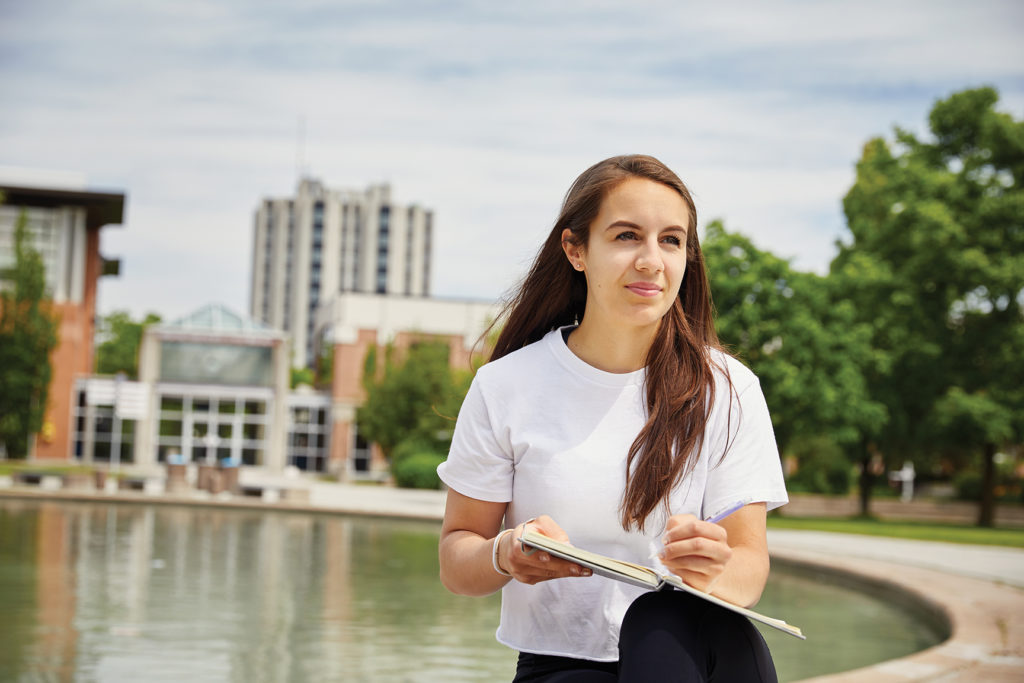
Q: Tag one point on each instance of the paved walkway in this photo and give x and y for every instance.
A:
(990, 563)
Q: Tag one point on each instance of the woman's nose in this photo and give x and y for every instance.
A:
(649, 257)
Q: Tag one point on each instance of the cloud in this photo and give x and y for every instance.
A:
(484, 112)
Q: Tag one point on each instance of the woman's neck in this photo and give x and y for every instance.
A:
(612, 349)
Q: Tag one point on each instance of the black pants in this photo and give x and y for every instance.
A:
(667, 636)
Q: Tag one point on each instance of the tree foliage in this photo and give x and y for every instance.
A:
(28, 335)
(412, 397)
(799, 336)
(936, 268)
(301, 376)
(324, 376)
(122, 336)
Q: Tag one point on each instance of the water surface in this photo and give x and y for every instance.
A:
(113, 592)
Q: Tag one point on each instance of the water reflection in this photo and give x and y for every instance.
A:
(104, 592)
(117, 592)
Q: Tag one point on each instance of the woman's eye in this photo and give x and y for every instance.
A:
(628, 235)
(673, 240)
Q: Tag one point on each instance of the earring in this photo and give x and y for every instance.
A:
(577, 266)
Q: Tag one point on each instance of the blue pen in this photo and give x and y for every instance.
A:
(725, 513)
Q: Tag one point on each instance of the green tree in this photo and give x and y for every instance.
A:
(411, 399)
(325, 366)
(119, 350)
(800, 338)
(301, 376)
(936, 267)
(28, 334)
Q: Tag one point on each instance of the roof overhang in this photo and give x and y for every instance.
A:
(101, 208)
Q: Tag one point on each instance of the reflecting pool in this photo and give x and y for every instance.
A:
(113, 592)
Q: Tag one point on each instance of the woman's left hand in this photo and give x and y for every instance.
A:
(695, 550)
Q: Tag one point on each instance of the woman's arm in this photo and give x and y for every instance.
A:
(466, 549)
(729, 559)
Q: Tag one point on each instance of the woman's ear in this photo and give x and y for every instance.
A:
(573, 251)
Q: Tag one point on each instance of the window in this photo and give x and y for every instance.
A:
(255, 407)
(252, 456)
(99, 434)
(357, 250)
(344, 247)
(45, 232)
(427, 229)
(308, 434)
(410, 221)
(383, 241)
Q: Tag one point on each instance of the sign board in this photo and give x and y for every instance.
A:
(132, 397)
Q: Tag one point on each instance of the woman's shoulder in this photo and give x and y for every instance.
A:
(517, 365)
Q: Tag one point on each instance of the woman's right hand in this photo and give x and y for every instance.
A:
(537, 566)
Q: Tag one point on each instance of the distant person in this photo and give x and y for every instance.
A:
(609, 416)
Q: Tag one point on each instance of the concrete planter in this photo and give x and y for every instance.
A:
(204, 481)
(176, 481)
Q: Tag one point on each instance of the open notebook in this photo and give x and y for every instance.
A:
(641, 576)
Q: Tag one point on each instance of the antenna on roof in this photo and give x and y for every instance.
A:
(300, 149)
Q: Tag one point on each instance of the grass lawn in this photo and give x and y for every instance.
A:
(13, 467)
(925, 531)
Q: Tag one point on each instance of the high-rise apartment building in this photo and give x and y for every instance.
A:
(321, 242)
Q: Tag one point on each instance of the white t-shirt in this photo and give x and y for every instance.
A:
(549, 434)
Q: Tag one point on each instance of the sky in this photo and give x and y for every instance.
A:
(483, 111)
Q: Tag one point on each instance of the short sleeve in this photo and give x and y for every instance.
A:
(750, 471)
(479, 465)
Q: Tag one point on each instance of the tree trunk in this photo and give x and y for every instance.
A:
(866, 481)
(987, 511)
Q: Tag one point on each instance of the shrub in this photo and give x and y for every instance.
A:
(417, 471)
(1007, 486)
(823, 468)
(968, 486)
(413, 446)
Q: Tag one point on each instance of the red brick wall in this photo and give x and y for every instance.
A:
(72, 357)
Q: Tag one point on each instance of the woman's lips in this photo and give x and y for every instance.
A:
(644, 288)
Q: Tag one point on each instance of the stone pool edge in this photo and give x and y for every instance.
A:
(986, 618)
(986, 621)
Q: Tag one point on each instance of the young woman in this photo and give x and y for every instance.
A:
(609, 417)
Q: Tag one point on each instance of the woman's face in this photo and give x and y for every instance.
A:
(635, 255)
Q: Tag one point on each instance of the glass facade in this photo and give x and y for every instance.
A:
(383, 240)
(268, 251)
(357, 248)
(205, 428)
(210, 363)
(99, 434)
(315, 267)
(428, 227)
(309, 428)
(361, 454)
(46, 232)
(410, 222)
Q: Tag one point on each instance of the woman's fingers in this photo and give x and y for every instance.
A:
(697, 547)
(536, 566)
(695, 550)
(680, 527)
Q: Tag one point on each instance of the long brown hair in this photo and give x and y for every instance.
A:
(679, 380)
